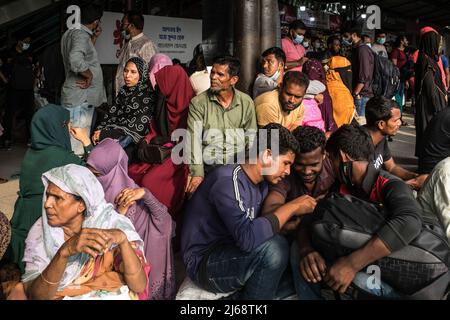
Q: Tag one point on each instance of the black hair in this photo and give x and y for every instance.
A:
(277, 52)
(378, 109)
(297, 24)
(91, 13)
(379, 32)
(176, 61)
(77, 198)
(135, 18)
(234, 65)
(355, 28)
(309, 138)
(364, 36)
(198, 63)
(286, 141)
(398, 40)
(352, 140)
(297, 77)
(331, 40)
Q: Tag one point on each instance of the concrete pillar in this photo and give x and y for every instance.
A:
(247, 42)
(269, 17)
(217, 28)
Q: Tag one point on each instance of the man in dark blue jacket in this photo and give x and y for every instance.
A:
(227, 245)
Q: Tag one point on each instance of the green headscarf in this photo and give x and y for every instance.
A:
(49, 128)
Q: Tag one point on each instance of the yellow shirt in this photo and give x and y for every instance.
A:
(268, 110)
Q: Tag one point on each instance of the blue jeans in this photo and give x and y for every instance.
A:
(312, 291)
(252, 275)
(399, 95)
(361, 105)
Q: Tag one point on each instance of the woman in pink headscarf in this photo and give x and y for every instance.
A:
(109, 162)
(157, 62)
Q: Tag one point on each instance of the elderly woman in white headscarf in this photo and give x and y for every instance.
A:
(81, 247)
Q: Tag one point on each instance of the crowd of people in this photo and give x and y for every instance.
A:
(287, 192)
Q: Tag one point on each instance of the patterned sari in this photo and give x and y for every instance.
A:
(100, 278)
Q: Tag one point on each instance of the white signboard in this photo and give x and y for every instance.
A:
(174, 37)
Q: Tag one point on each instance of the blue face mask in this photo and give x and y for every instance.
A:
(381, 40)
(299, 39)
(275, 76)
(346, 42)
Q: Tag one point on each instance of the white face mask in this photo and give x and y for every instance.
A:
(25, 46)
(126, 35)
(305, 44)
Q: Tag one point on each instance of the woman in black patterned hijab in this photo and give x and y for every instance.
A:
(128, 119)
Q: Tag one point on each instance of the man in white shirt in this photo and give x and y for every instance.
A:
(378, 46)
(434, 195)
(273, 64)
(137, 44)
(83, 89)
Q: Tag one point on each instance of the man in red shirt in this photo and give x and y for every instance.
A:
(399, 58)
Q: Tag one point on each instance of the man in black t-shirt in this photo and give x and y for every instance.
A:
(435, 142)
(383, 118)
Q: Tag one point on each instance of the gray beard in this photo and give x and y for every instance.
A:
(214, 92)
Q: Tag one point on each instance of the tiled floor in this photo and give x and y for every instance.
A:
(10, 162)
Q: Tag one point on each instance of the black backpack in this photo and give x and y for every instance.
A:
(386, 77)
(418, 271)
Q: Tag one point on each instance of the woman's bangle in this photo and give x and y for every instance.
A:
(135, 273)
(46, 281)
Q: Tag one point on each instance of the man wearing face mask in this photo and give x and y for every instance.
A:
(83, 89)
(285, 105)
(137, 44)
(293, 48)
(363, 67)
(273, 62)
(378, 47)
(20, 95)
(346, 45)
(350, 149)
(316, 51)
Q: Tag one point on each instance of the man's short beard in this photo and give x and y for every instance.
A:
(214, 92)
